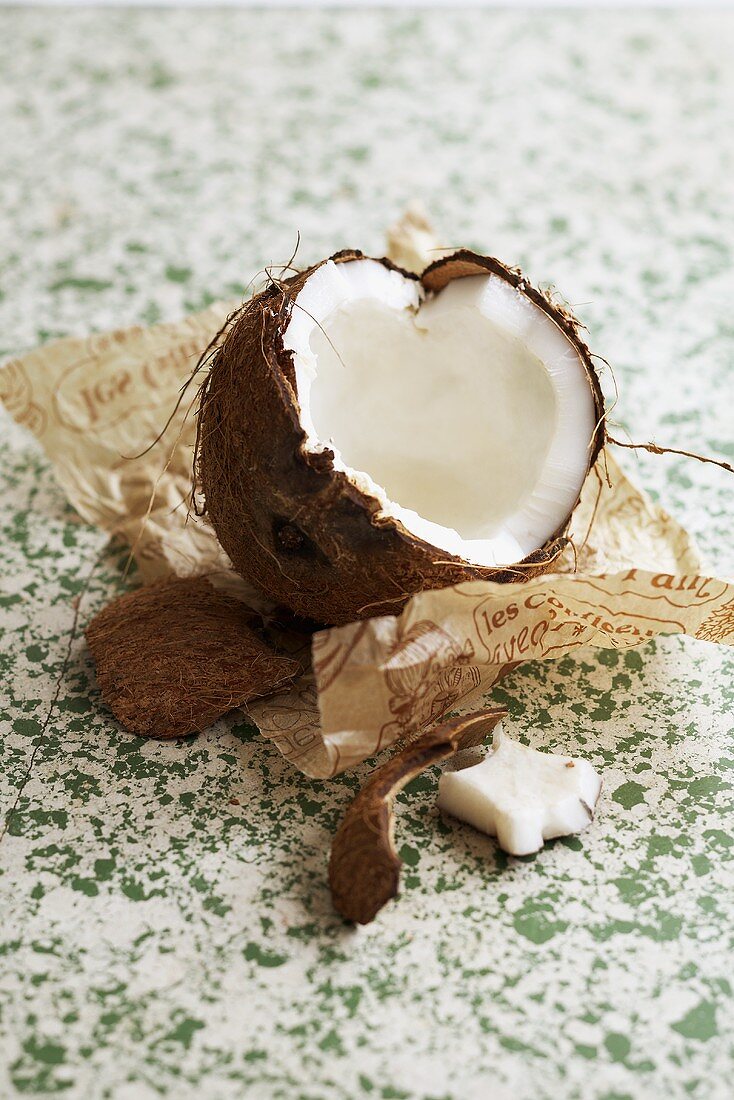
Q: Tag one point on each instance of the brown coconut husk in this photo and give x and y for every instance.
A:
(296, 528)
(175, 656)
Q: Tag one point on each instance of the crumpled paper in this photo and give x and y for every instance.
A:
(632, 572)
(96, 403)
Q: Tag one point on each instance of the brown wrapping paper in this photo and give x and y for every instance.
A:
(95, 404)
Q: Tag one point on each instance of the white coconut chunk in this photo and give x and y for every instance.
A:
(467, 415)
(521, 796)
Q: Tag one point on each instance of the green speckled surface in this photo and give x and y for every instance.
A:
(166, 928)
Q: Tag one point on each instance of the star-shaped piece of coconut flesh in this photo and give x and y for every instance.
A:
(521, 796)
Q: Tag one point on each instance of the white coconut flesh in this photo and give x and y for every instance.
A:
(467, 414)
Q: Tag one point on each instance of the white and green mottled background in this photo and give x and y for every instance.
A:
(166, 926)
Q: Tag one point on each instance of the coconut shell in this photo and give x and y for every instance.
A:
(295, 527)
(175, 656)
(364, 867)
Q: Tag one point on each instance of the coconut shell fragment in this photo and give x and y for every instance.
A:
(364, 869)
(174, 656)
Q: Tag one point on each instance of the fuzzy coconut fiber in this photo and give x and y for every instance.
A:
(176, 655)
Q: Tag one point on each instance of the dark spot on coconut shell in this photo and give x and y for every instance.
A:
(287, 536)
(290, 539)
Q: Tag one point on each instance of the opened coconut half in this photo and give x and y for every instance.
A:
(365, 433)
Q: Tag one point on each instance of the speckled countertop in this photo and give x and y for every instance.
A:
(166, 927)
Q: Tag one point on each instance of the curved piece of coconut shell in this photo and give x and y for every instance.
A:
(364, 869)
(295, 527)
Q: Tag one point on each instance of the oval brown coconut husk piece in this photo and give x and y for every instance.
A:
(176, 655)
(293, 525)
